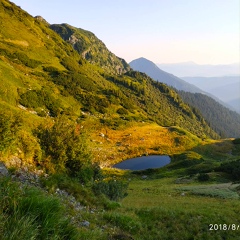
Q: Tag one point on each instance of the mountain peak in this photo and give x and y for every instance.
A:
(150, 68)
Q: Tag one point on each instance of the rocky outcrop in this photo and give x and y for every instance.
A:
(41, 19)
(91, 48)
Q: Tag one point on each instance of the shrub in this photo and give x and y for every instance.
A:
(9, 126)
(24, 59)
(70, 64)
(236, 141)
(113, 189)
(122, 111)
(202, 177)
(30, 99)
(41, 98)
(50, 69)
(66, 148)
(29, 146)
(232, 168)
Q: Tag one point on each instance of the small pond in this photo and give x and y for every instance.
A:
(144, 162)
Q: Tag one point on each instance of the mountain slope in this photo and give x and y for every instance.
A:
(209, 108)
(151, 69)
(91, 48)
(224, 121)
(43, 75)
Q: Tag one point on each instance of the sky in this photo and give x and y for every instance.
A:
(163, 31)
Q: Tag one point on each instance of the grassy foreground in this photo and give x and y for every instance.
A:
(191, 198)
(166, 210)
(156, 207)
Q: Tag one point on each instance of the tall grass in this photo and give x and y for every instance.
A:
(28, 213)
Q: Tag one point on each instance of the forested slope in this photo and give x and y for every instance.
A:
(224, 121)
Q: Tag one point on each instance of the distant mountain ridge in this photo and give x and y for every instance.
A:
(191, 69)
(224, 121)
(152, 70)
(225, 88)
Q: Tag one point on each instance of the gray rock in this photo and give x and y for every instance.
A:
(85, 224)
(3, 170)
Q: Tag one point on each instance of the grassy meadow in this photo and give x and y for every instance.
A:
(174, 203)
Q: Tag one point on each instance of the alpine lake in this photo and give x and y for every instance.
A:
(144, 162)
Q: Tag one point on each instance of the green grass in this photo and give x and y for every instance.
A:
(165, 213)
(28, 213)
(224, 190)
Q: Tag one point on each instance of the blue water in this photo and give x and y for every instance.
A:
(145, 162)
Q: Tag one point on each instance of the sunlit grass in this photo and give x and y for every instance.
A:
(112, 146)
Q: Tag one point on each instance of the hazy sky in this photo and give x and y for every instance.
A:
(164, 31)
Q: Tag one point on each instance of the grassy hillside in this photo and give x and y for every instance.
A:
(47, 76)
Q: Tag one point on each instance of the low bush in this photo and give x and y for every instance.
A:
(232, 168)
(40, 99)
(236, 141)
(20, 57)
(65, 147)
(202, 177)
(122, 111)
(113, 189)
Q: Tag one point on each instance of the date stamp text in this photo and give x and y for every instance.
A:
(223, 227)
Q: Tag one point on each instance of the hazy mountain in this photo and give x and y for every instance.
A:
(225, 88)
(235, 104)
(192, 69)
(218, 116)
(152, 70)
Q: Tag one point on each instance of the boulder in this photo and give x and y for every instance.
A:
(3, 170)
(85, 224)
